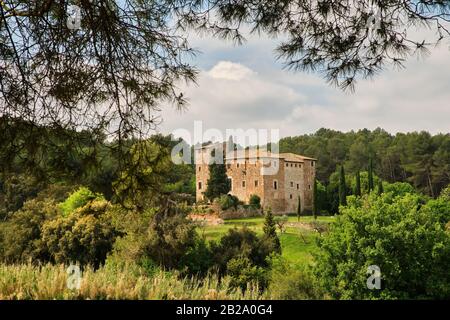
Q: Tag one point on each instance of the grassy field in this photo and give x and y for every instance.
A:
(297, 242)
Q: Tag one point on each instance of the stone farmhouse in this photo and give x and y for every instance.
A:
(278, 179)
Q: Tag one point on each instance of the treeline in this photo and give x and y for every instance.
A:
(418, 158)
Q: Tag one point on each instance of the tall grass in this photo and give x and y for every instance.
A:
(46, 282)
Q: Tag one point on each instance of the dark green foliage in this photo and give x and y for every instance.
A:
(370, 170)
(358, 184)
(417, 157)
(218, 182)
(299, 208)
(380, 189)
(228, 201)
(397, 234)
(316, 208)
(342, 188)
(255, 201)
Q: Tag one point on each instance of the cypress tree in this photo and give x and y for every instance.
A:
(342, 188)
(380, 187)
(299, 208)
(358, 184)
(371, 186)
(270, 230)
(315, 202)
(218, 182)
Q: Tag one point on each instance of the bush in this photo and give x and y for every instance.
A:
(399, 188)
(405, 240)
(78, 199)
(85, 236)
(255, 201)
(21, 234)
(169, 240)
(291, 283)
(228, 201)
(243, 274)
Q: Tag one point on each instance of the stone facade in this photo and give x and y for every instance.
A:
(278, 179)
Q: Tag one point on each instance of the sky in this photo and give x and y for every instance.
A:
(246, 87)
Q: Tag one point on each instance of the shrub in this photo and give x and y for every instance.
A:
(407, 242)
(399, 188)
(21, 234)
(255, 201)
(78, 199)
(85, 236)
(291, 283)
(228, 201)
(243, 273)
(169, 240)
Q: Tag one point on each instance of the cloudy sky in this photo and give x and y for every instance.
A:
(245, 87)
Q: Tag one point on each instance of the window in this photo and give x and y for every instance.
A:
(292, 184)
(238, 165)
(199, 168)
(292, 165)
(275, 184)
(290, 196)
(256, 183)
(309, 186)
(287, 164)
(199, 185)
(296, 165)
(298, 186)
(243, 184)
(231, 183)
(312, 163)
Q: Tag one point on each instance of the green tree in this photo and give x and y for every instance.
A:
(270, 230)
(299, 208)
(358, 184)
(380, 187)
(316, 208)
(218, 183)
(370, 171)
(405, 240)
(342, 188)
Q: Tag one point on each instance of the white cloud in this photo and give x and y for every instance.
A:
(230, 71)
(251, 91)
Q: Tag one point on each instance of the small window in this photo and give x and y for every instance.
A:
(292, 184)
(256, 183)
(298, 186)
(199, 168)
(200, 185)
(243, 184)
(292, 165)
(309, 186)
(238, 165)
(296, 165)
(275, 184)
(287, 164)
(312, 163)
(300, 165)
(290, 196)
